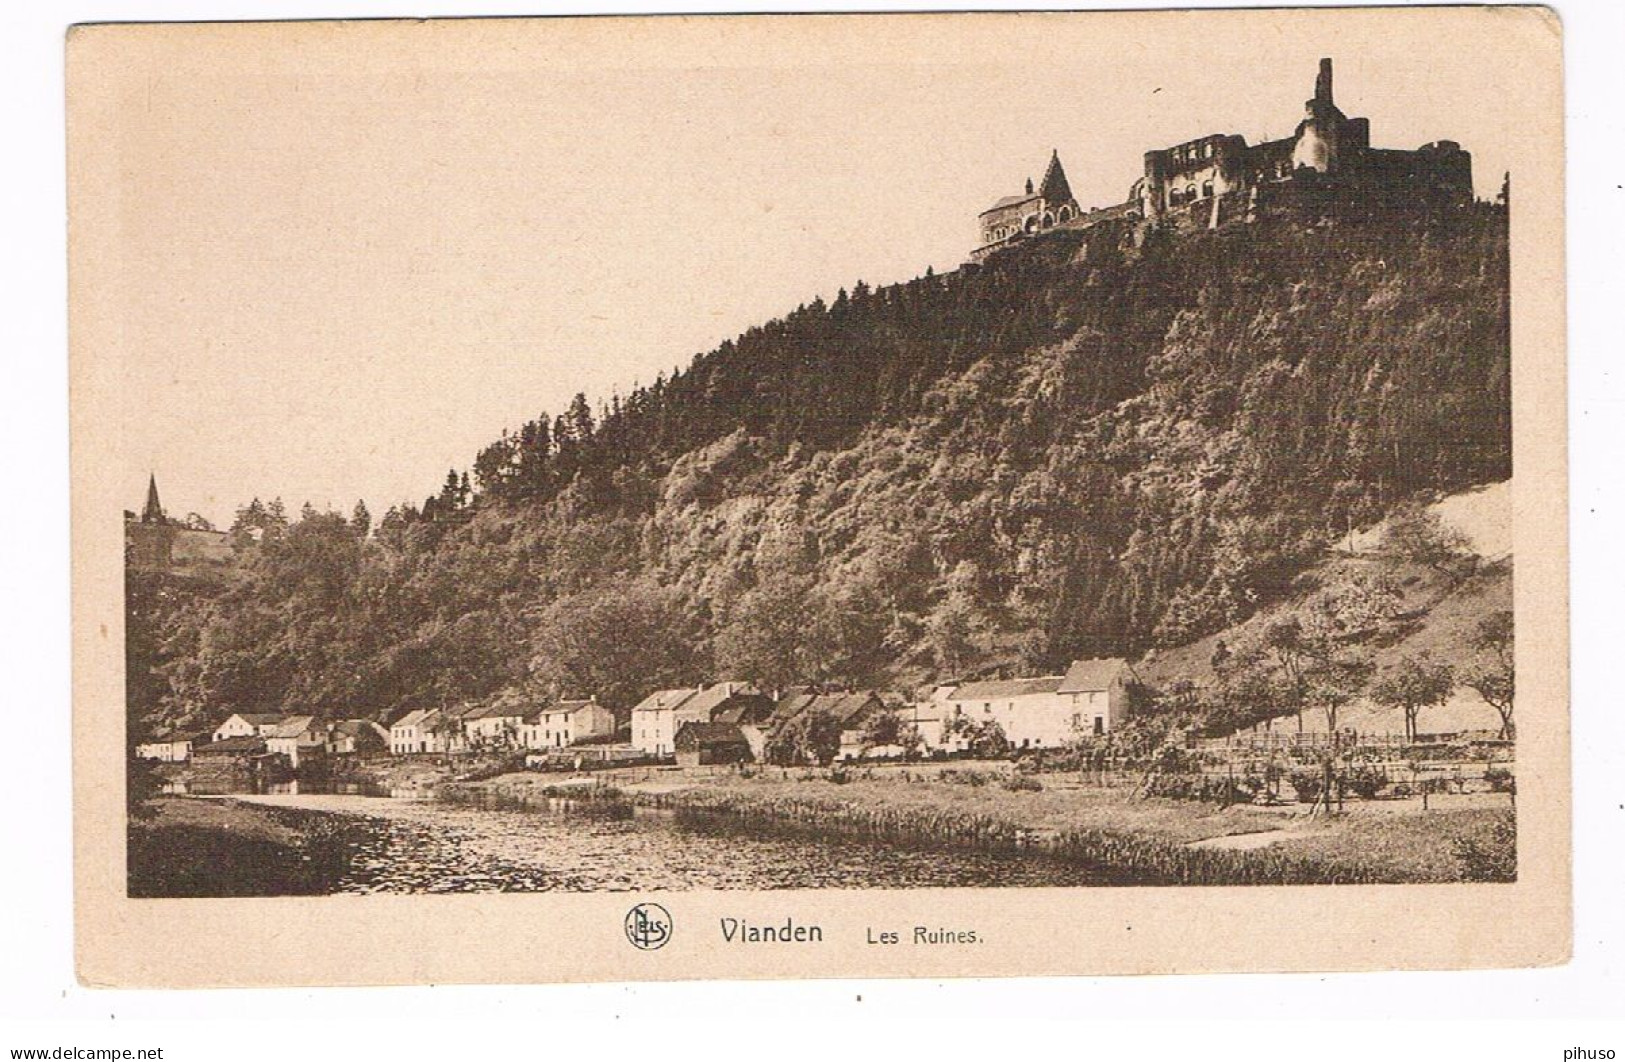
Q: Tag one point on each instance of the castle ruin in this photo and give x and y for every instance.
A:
(1219, 178)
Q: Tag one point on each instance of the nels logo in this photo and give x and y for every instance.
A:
(648, 926)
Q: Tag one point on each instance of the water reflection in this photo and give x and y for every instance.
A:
(423, 847)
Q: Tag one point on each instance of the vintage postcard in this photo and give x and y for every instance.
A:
(916, 495)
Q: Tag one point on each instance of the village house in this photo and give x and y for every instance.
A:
(566, 723)
(448, 729)
(1031, 711)
(172, 747)
(654, 720)
(702, 743)
(851, 709)
(357, 737)
(928, 714)
(298, 737)
(407, 735)
(248, 724)
(657, 718)
(1097, 694)
(1035, 713)
(493, 726)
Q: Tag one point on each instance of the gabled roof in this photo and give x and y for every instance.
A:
(663, 699)
(793, 704)
(719, 694)
(293, 726)
(710, 734)
(997, 689)
(748, 709)
(1086, 675)
(412, 718)
(844, 705)
(569, 707)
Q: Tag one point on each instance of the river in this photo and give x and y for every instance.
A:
(418, 846)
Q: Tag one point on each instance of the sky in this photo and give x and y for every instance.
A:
(351, 255)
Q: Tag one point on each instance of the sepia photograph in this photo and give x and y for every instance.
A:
(694, 456)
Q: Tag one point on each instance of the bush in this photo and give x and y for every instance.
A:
(1306, 784)
(1207, 788)
(1364, 781)
(1022, 783)
(1500, 780)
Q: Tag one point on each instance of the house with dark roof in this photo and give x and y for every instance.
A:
(700, 744)
(852, 709)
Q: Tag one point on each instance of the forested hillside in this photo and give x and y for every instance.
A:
(1073, 450)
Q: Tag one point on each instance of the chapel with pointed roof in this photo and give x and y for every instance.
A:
(1033, 211)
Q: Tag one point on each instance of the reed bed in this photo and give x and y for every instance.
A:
(1121, 857)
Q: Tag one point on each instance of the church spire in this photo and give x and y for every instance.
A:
(152, 512)
(1055, 190)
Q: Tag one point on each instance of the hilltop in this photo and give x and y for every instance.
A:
(1074, 449)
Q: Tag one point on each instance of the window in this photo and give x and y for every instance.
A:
(1207, 189)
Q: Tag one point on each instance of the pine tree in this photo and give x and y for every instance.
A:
(361, 519)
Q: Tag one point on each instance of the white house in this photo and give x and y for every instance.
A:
(407, 735)
(1031, 711)
(493, 726)
(248, 724)
(655, 722)
(1097, 692)
(298, 736)
(170, 748)
(566, 723)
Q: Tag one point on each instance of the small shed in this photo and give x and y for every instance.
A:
(698, 744)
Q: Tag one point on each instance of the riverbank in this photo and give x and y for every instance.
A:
(1126, 839)
(793, 829)
(190, 847)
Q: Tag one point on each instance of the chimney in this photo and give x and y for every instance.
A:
(1323, 83)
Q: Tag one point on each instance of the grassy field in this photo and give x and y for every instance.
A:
(1376, 841)
(190, 847)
